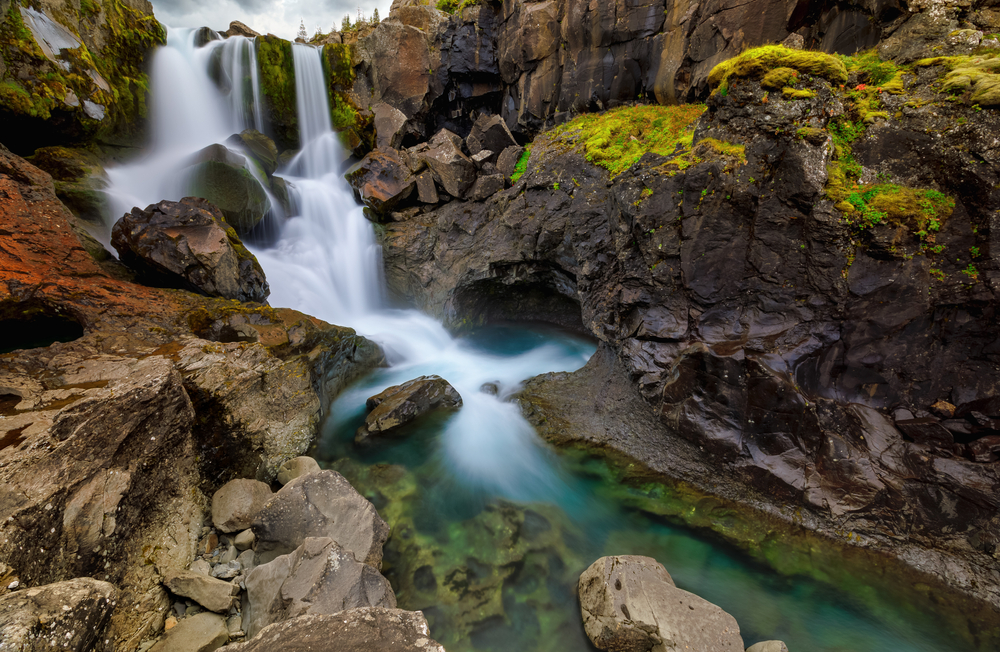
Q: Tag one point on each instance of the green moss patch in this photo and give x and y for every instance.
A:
(977, 75)
(798, 94)
(522, 165)
(779, 78)
(277, 82)
(618, 138)
(346, 116)
(758, 63)
(922, 210)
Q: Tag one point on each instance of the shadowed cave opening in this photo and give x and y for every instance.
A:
(34, 324)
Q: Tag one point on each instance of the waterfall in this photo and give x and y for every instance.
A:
(238, 66)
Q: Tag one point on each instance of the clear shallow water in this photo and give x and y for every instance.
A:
(490, 528)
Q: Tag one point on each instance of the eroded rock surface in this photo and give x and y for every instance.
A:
(399, 405)
(73, 615)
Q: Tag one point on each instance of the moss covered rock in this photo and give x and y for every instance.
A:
(221, 176)
(277, 80)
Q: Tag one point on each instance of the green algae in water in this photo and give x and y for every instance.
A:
(494, 574)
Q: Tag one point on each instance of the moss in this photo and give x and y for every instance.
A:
(778, 78)
(710, 147)
(871, 69)
(277, 81)
(814, 135)
(618, 138)
(522, 165)
(347, 118)
(454, 6)
(756, 63)
(978, 76)
(798, 94)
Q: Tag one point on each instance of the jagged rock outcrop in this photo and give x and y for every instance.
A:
(72, 615)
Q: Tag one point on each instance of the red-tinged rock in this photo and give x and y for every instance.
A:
(381, 180)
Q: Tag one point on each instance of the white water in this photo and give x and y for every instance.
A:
(327, 263)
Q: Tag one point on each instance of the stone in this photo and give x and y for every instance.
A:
(222, 177)
(295, 467)
(483, 158)
(508, 160)
(259, 147)
(768, 646)
(318, 577)
(213, 594)
(390, 125)
(985, 449)
(73, 615)
(371, 629)
(244, 540)
(247, 560)
(630, 603)
(235, 626)
(226, 569)
(236, 28)
(943, 409)
(490, 133)
(381, 180)
(486, 186)
(426, 188)
(927, 430)
(399, 405)
(201, 567)
(236, 503)
(452, 168)
(320, 504)
(202, 632)
(188, 244)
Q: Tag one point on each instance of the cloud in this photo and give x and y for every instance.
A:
(279, 17)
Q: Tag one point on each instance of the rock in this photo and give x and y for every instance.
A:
(261, 148)
(235, 626)
(490, 133)
(213, 594)
(247, 560)
(380, 180)
(244, 540)
(399, 405)
(426, 188)
(926, 431)
(201, 567)
(223, 177)
(188, 244)
(390, 125)
(985, 449)
(508, 160)
(236, 28)
(630, 603)
(943, 409)
(768, 646)
(226, 569)
(454, 170)
(235, 505)
(295, 467)
(202, 632)
(319, 577)
(73, 615)
(320, 504)
(371, 629)
(486, 186)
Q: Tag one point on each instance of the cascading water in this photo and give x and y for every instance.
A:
(327, 263)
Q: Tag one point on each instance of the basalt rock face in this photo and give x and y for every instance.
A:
(758, 326)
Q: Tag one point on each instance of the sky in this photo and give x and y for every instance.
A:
(279, 17)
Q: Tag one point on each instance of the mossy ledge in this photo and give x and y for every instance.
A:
(277, 80)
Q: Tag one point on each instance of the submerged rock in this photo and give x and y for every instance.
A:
(188, 244)
(318, 577)
(630, 604)
(72, 616)
(402, 404)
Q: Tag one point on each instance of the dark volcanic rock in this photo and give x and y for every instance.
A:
(71, 616)
(188, 244)
(381, 181)
(401, 404)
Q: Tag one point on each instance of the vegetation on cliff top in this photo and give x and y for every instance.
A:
(765, 61)
(977, 74)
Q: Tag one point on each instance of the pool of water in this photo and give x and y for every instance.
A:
(491, 529)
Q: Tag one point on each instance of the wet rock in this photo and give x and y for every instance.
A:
(261, 148)
(943, 409)
(985, 449)
(319, 577)
(380, 180)
(202, 632)
(188, 244)
(768, 646)
(320, 504)
(630, 603)
(399, 405)
(452, 168)
(211, 593)
(926, 431)
(236, 503)
(72, 615)
(296, 467)
(372, 629)
(222, 177)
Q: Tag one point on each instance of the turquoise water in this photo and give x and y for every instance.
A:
(493, 562)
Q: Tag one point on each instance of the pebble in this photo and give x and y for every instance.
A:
(201, 567)
(235, 625)
(227, 571)
(229, 555)
(169, 623)
(244, 540)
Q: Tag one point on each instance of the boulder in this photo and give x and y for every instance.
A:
(223, 177)
(261, 148)
(371, 629)
(399, 405)
(490, 133)
(244, 540)
(319, 577)
(209, 592)
(236, 28)
(202, 632)
(486, 186)
(630, 604)
(927, 430)
(381, 180)
(508, 160)
(985, 449)
(295, 467)
(768, 646)
(71, 616)
(235, 505)
(453, 169)
(426, 188)
(390, 126)
(320, 504)
(188, 244)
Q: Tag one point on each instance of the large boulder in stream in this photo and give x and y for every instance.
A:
(399, 405)
(261, 148)
(630, 604)
(223, 177)
(189, 245)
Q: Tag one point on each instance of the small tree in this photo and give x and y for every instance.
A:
(303, 34)
(345, 25)
(375, 18)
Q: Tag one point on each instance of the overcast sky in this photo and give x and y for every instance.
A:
(279, 17)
